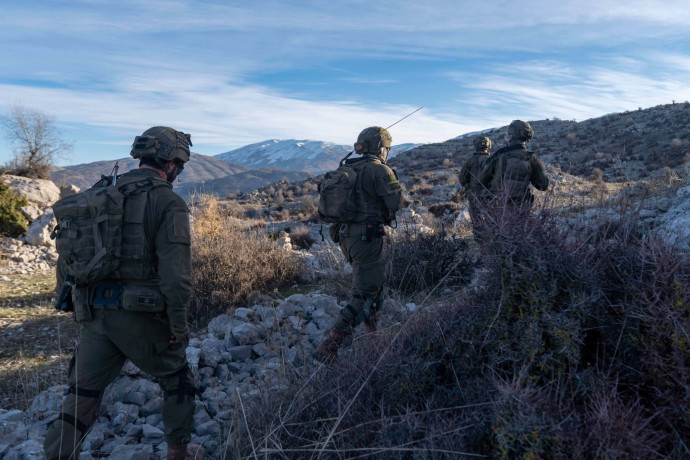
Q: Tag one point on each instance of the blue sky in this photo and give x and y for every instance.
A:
(233, 73)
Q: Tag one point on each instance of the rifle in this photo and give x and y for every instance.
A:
(105, 181)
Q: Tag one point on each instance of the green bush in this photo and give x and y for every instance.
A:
(12, 221)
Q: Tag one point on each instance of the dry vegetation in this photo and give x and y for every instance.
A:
(231, 260)
(35, 343)
(570, 346)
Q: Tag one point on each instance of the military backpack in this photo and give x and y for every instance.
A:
(88, 235)
(337, 195)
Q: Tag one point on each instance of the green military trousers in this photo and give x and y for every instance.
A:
(368, 263)
(106, 342)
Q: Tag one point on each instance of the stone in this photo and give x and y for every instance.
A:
(11, 416)
(31, 212)
(31, 449)
(248, 333)
(322, 319)
(130, 369)
(221, 371)
(38, 233)
(219, 326)
(243, 313)
(193, 356)
(131, 452)
(150, 431)
(240, 353)
(37, 191)
(69, 191)
(210, 429)
(261, 349)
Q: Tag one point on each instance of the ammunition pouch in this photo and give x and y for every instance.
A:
(81, 302)
(142, 298)
(374, 230)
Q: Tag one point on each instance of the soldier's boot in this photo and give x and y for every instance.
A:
(185, 452)
(328, 348)
(371, 324)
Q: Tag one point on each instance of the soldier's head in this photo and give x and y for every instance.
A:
(374, 141)
(163, 148)
(519, 131)
(481, 144)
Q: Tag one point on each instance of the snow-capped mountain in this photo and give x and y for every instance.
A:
(295, 155)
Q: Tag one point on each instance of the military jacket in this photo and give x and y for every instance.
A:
(511, 170)
(470, 172)
(378, 193)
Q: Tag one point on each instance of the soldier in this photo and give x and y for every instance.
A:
(378, 195)
(509, 172)
(139, 312)
(468, 179)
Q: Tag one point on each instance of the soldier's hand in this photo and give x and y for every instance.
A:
(179, 335)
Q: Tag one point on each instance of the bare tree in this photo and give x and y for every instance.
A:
(37, 143)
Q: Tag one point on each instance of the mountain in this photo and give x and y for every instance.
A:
(201, 168)
(295, 155)
(201, 174)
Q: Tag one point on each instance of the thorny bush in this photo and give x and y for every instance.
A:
(565, 346)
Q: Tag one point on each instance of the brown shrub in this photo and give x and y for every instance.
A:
(230, 260)
(569, 345)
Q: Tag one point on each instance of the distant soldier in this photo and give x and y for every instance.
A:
(377, 195)
(468, 179)
(138, 311)
(509, 172)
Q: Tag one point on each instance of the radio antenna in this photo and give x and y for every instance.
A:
(409, 114)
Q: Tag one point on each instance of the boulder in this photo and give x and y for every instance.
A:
(69, 191)
(31, 212)
(38, 233)
(37, 191)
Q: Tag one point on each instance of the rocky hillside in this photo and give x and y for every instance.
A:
(624, 146)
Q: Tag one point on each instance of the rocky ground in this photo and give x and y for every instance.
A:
(240, 356)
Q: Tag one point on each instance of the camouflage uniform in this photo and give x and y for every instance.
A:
(378, 196)
(468, 179)
(154, 284)
(509, 172)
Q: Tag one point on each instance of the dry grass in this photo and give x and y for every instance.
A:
(36, 342)
(231, 260)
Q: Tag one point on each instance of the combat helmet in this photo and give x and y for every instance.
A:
(481, 143)
(162, 143)
(520, 130)
(372, 139)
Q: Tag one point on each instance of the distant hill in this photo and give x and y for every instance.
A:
(202, 168)
(295, 155)
(624, 146)
(203, 173)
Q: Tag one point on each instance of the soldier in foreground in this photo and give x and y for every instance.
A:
(138, 311)
(468, 179)
(377, 195)
(509, 172)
